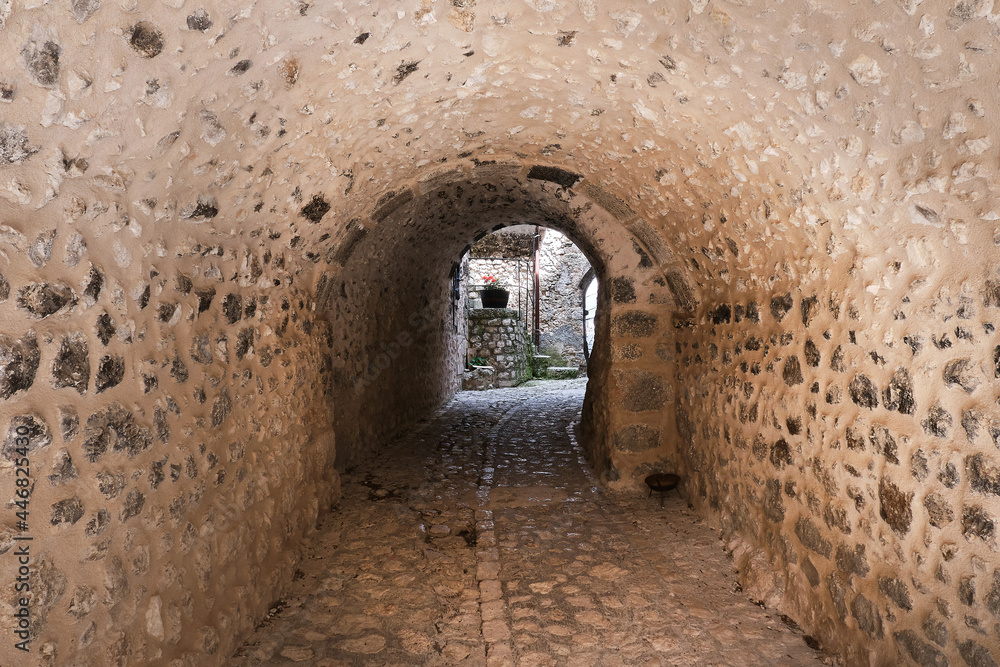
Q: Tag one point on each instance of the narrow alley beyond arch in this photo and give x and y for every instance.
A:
(481, 538)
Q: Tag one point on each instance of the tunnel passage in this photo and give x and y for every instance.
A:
(391, 292)
(816, 188)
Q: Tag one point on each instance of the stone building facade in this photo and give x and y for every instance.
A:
(227, 240)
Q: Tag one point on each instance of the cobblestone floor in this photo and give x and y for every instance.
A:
(480, 538)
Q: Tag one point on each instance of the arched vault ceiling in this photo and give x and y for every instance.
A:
(815, 130)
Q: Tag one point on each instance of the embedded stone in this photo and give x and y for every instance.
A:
(71, 367)
(66, 511)
(838, 593)
(883, 443)
(84, 9)
(105, 328)
(722, 314)
(977, 523)
(637, 438)
(812, 574)
(110, 373)
(114, 429)
(894, 506)
(633, 324)
(641, 390)
(852, 561)
(792, 371)
(781, 454)
(29, 432)
(939, 512)
(975, 655)
(116, 585)
(145, 39)
(936, 630)
(95, 283)
(44, 299)
(97, 523)
(69, 423)
(868, 616)
(83, 602)
(201, 349)
(160, 424)
(133, 504)
(773, 504)
(865, 71)
(240, 68)
(810, 307)
(811, 353)
(780, 305)
(961, 372)
(923, 654)
(4, 289)
(14, 147)
(205, 297)
(837, 360)
(178, 369)
(967, 591)
(971, 9)
(166, 311)
(811, 537)
(222, 407)
(937, 422)
(41, 59)
(863, 392)
(622, 290)
(317, 207)
(111, 484)
(992, 598)
(18, 363)
(898, 395)
(984, 474)
(199, 21)
(897, 591)
(232, 308)
(244, 342)
(62, 470)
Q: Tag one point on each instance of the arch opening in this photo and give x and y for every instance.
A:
(394, 293)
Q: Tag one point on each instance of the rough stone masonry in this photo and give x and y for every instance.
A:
(226, 236)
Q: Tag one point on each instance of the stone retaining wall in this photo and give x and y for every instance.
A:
(498, 336)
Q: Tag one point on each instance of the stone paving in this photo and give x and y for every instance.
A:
(480, 539)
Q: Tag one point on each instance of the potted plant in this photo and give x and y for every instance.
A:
(493, 293)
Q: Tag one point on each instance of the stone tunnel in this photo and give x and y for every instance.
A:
(228, 236)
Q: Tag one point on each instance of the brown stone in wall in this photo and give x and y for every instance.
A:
(641, 390)
(633, 324)
(894, 506)
(18, 363)
(637, 438)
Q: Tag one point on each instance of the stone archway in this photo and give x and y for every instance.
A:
(391, 291)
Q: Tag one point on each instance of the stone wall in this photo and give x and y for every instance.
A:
(560, 317)
(156, 393)
(499, 337)
(853, 467)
